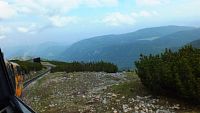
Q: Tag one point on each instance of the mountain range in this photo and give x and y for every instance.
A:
(124, 49)
(121, 49)
(48, 50)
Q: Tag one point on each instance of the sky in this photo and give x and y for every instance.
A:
(68, 21)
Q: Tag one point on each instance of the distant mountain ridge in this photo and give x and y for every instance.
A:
(178, 38)
(145, 33)
(48, 50)
(124, 49)
(195, 43)
(121, 49)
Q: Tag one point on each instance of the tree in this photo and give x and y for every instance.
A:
(177, 73)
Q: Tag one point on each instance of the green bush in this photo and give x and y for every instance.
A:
(174, 73)
(27, 66)
(81, 66)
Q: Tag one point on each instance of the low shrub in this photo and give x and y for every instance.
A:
(174, 73)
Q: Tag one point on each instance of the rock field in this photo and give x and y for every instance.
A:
(94, 92)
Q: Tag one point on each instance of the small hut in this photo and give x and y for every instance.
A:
(37, 60)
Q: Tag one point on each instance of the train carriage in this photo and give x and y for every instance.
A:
(11, 86)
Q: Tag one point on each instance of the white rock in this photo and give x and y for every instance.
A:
(136, 108)
(138, 97)
(114, 95)
(162, 111)
(133, 99)
(141, 111)
(104, 101)
(150, 111)
(146, 110)
(117, 100)
(115, 111)
(109, 93)
(142, 105)
(125, 108)
(136, 112)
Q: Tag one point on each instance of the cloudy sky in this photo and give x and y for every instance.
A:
(71, 20)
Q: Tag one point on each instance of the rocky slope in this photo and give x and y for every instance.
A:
(91, 92)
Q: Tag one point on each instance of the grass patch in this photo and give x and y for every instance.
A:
(131, 76)
(131, 88)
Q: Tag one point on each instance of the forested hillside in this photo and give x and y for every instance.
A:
(196, 43)
(84, 67)
(124, 49)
